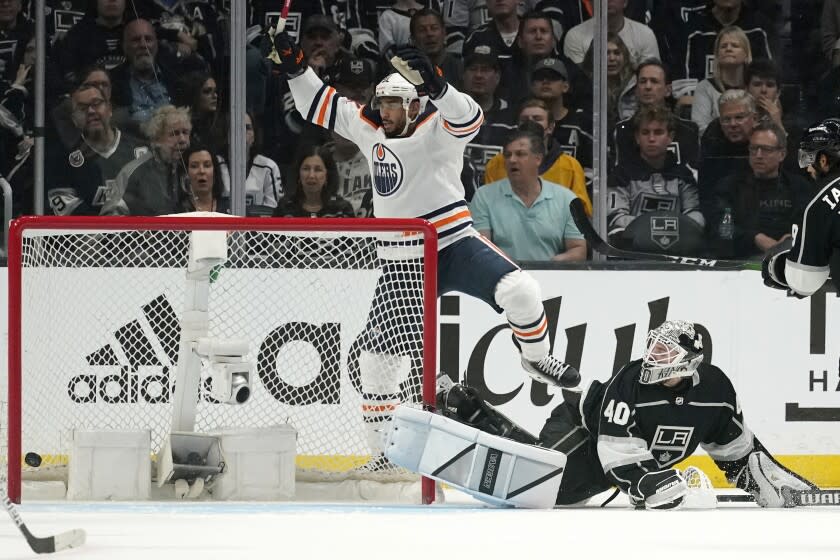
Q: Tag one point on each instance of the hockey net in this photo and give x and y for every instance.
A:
(95, 320)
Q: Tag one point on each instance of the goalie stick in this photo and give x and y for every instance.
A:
(798, 498)
(43, 545)
(598, 244)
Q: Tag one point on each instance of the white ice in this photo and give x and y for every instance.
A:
(460, 529)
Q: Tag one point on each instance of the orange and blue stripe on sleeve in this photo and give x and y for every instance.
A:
(324, 108)
(466, 128)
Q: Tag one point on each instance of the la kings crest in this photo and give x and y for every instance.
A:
(670, 443)
(664, 230)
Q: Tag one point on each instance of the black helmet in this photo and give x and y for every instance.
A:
(823, 137)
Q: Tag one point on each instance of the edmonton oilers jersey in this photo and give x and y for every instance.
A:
(417, 176)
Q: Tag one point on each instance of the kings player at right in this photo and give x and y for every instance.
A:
(415, 152)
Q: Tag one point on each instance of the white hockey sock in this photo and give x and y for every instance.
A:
(380, 376)
(519, 295)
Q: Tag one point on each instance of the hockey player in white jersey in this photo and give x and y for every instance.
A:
(415, 152)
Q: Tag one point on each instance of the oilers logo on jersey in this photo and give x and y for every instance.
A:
(387, 170)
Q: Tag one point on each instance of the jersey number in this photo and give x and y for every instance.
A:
(617, 412)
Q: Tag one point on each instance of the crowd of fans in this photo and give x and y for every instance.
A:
(706, 101)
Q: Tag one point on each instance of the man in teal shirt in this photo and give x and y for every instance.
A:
(525, 216)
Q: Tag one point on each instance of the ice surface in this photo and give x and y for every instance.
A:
(460, 529)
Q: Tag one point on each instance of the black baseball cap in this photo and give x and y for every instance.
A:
(551, 64)
(350, 71)
(318, 21)
(482, 54)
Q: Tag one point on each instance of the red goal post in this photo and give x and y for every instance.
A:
(93, 305)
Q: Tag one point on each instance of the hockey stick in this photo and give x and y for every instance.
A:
(284, 13)
(585, 226)
(798, 498)
(44, 545)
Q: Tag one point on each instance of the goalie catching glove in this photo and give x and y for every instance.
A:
(769, 482)
(416, 67)
(286, 54)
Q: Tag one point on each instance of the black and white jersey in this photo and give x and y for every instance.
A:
(685, 147)
(78, 180)
(355, 184)
(816, 237)
(643, 428)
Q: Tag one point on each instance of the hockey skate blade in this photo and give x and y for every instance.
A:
(407, 72)
(70, 539)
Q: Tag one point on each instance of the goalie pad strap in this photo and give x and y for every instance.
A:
(490, 468)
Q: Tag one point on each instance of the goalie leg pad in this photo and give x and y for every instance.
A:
(495, 470)
(381, 375)
(520, 296)
(769, 482)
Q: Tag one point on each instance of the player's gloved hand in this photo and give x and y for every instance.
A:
(417, 60)
(662, 489)
(286, 53)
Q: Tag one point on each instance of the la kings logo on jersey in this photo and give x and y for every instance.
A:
(387, 170)
(669, 444)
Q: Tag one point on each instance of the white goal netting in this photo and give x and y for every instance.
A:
(100, 327)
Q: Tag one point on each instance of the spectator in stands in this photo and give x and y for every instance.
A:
(525, 216)
(354, 80)
(724, 146)
(556, 166)
(482, 73)
(263, 182)
(17, 110)
(77, 180)
(187, 28)
(732, 56)
(198, 92)
(500, 34)
(286, 129)
(572, 127)
(204, 189)
(621, 80)
(428, 33)
(762, 80)
(315, 195)
(154, 183)
(394, 26)
(147, 79)
(691, 42)
(15, 33)
(765, 200)
(654, 182)
(653, 89)
(638, 37)
(96, 39)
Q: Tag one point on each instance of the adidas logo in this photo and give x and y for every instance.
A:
(141, 362)
(136, 349)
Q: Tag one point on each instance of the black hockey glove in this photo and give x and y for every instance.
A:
(286, 54)
(417, 60)
(663, 489)
(773, 267)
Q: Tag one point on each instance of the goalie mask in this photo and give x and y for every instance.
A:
(394, 85)
(673, 349)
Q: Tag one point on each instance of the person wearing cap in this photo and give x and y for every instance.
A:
(428, 33)
(353, 79)
(556, 166)
(482, 73)
(572, 127)
(523, 214)
(500, 33)
(321, 41)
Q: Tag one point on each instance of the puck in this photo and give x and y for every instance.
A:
(32, 459)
